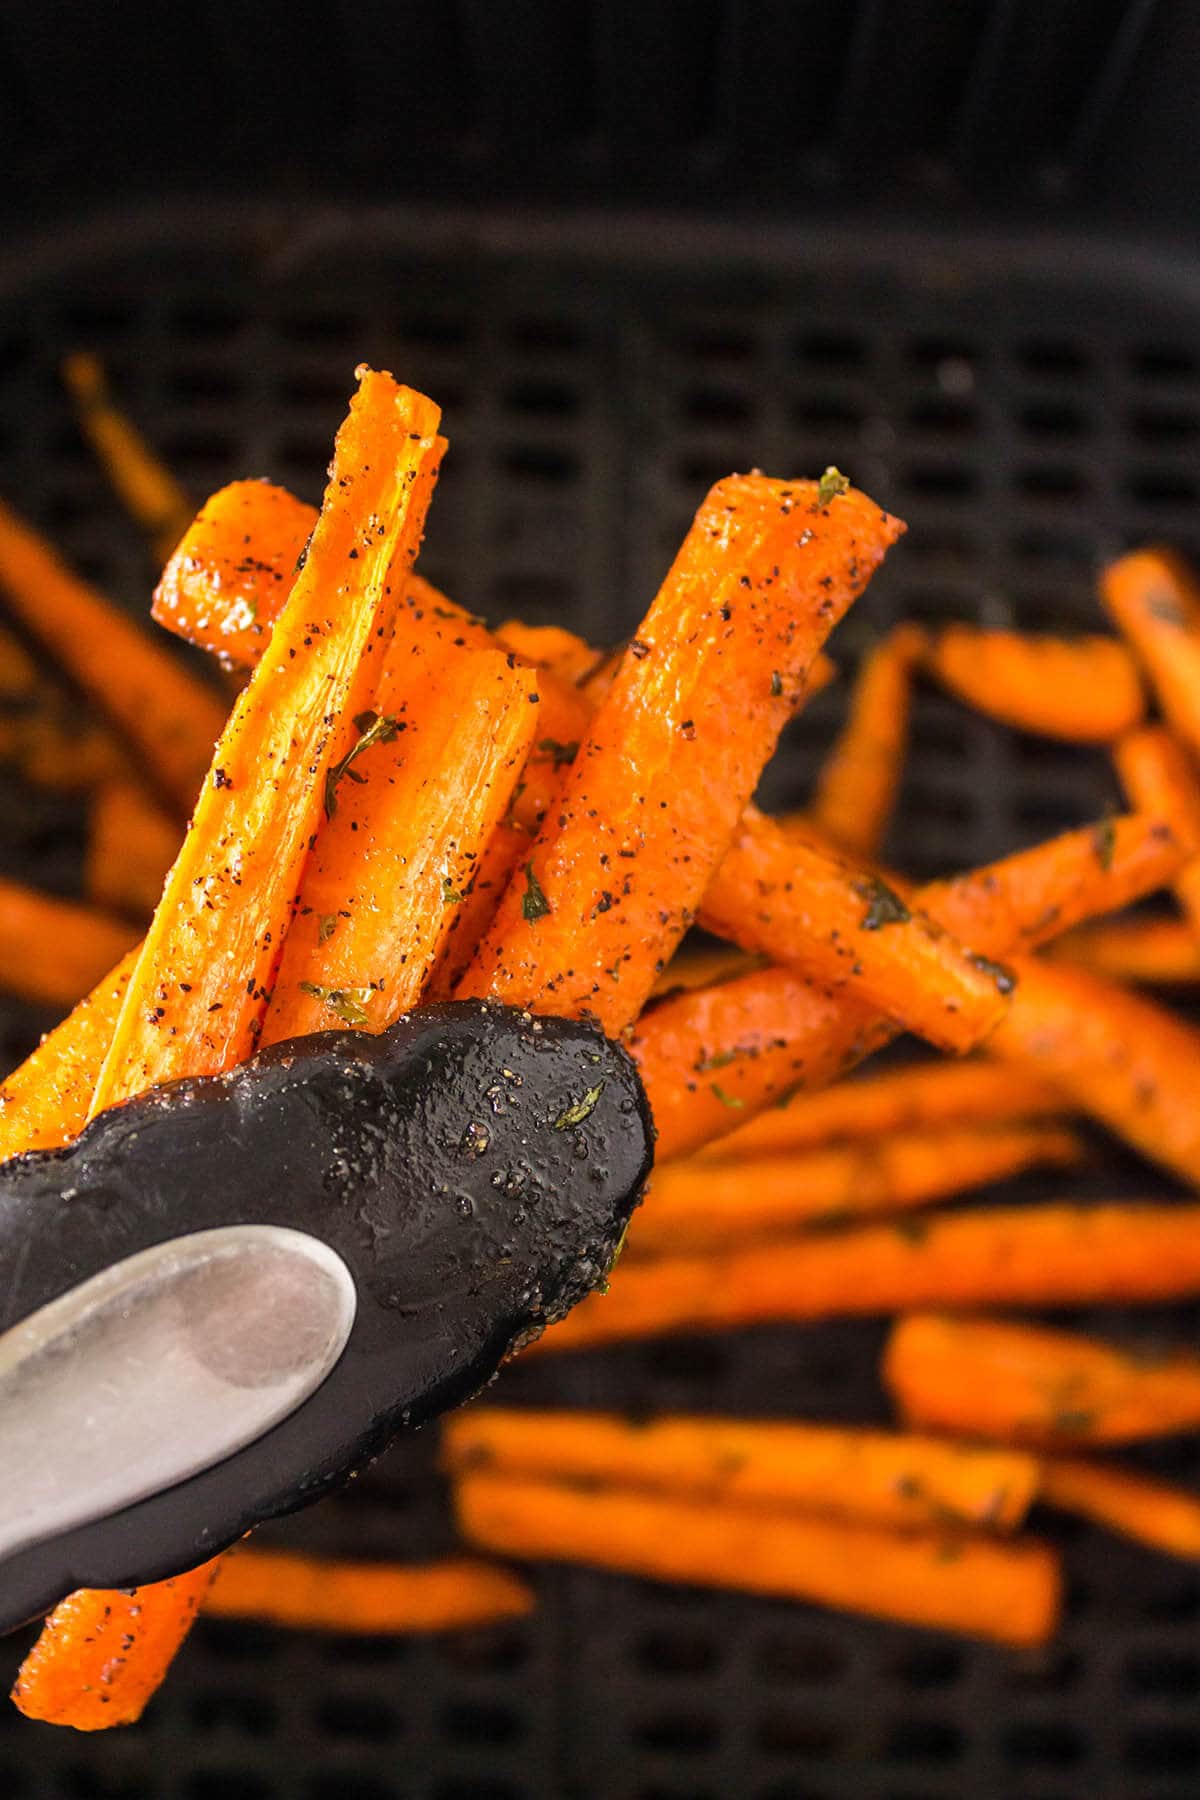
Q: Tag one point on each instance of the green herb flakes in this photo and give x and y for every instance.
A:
(450, 894)
(832, 482)
(534, 904)
(373, 728)
(327, 924)
(578, 1111)
(349, 1004)
(883, 906)
(733, 1101)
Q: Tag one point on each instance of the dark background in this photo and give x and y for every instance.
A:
(628, 248)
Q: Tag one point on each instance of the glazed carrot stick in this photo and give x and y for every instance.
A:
(493, 869)
(131, 845)
(447, 736)
(1118, 1056)
(922, 1098)
(713, 1058)
(1022, 1256)
(978, 1585)
(706, 1206)
(618, 871)
(1159, 952)
(1158, 776)
(103, 1652)
(200, 994)
(165, 715)
(1150, 1512)
(53, 951)
(1152, 597)
(1022, 1383)
(45, 1102)
(880, 1477)
(552, 648)
(1086, 690)
(781, 895)
(857, 787)
(146, 487)
(309, 1593)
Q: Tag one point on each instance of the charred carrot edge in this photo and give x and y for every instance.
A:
(131, 844)
(1158, 952)
(615, 877)
(1152, 597)
(712, 1059)
(1150, 1512)
(922, 1098)
(310, 1593)
(45, 1102)
(1159, 777)
(1119, 1056)
(53, 951)
(1060, 1254)
(142, 481)
(709, 1205)
(169, 718)
(447, 736)
(983, 1586)
(1026, 1383)
(780, 895)
(103, 1652)
(860, 778)
(891, 1478)
(201, 990)
(1085, 690)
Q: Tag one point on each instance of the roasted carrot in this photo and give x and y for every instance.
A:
(144, 484)
(201, 990)
(708, 1205)
(858, 783)
(704, 968)
(784, 896)
(553, 649)
(131, 845)
(53, 951)
(168, 718)
(1086, 690)
(1160, 952)
(1027, 1384)
(444, 742)
(1150, 1512)
(45, 1102)
(879, 1477)
(104, 1652)
(1153, 598)
(923, 1098)
(618, 871)
(491, 872)
(309, 1593)
(979, 1585)
(1053, 1255)
(1159, 777)
(1122, 1058)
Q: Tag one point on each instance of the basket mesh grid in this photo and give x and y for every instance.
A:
(1025, 420)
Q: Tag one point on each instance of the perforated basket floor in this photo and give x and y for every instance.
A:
(1027, 409)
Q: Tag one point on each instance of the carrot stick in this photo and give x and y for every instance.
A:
(923, 1098)
(553, 649)
(617, 873)
(1153, 598)
(493, 869)
(143, 483)
(1027, 1384)
(780, 895)
(53, 951)
(1158, 776)
(1054, 1255)
(166, 716)
(131, 845)
(706, 1205)
(197, 1002)
(391, 867)
(45, 1102)
(1118, 1056)
(308, 1593)
(712, 1059)
(857, 786)
(1159, 952)
(690, 969)
(1150, 1512)
(1086, 690)
(879, 1477)
(104, 1652)
(978, 1585)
